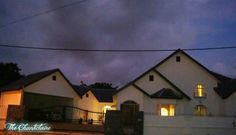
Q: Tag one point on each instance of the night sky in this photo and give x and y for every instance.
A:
(116, 24)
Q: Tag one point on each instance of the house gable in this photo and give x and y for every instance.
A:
(186, 74)
(46, 85)
(158, 83)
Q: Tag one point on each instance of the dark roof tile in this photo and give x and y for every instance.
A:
(167, 94)
(226, 88)
(27, 80)
(104, 95)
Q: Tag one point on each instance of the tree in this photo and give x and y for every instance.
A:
(9, 72)
(102, 85)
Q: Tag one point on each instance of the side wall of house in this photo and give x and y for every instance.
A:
(230, 105)
(186, 74)
(58, 87)
(91, 104)
(8, 98)
(152, 87)
(130, 93)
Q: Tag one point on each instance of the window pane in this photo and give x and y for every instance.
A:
(167, 110)
(164, 111)
(172, 110)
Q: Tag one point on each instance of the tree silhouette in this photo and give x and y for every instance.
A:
(9, 72)
(102, 85)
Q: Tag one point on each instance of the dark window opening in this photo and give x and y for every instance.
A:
(151, 78)
(178, 59)
(54, 78)
(87, 95)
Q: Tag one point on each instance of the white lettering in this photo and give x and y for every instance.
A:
(27, 127)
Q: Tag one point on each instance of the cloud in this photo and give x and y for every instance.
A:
(103, 24)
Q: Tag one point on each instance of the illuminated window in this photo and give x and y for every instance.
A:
(200, 110)
(199, 92)
(167, 110)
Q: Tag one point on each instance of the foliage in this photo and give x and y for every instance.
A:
(9, 72)
(102, 85)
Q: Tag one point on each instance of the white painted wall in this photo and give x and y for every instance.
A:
(188, 125)
(91, 103)
(59, 87)
(152, 87)
(130, 93)
(186, 75)
(230, 105)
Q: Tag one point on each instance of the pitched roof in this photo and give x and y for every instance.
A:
(166, 93)
(226, 88)
(218, 76)
(30, 79)
(27, 80)
(102, 95)
(81, 89)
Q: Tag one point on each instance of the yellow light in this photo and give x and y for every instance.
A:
(105, 108)
(164, 111)
(172, 110)
(200, 90)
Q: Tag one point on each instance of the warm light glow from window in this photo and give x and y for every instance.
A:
(164, 111)
(200, 110)
(172, 110)
(105, 108)
(167, 110)
(200, 91)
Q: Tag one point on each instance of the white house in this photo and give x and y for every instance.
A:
(95, 101)
(50, 91)
(38, 90)
(180, 96)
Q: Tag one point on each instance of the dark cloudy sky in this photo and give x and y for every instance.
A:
(117, 24)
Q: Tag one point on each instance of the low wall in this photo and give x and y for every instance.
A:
(189, 125)
(3, 115)
(2, 124)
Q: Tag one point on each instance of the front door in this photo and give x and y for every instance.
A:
(129, 111)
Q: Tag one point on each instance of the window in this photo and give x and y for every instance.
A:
(54, 78)
(166, 110)
(87, 95)
(178, 59)
(199, 92)
(200, 110)
(151, 78)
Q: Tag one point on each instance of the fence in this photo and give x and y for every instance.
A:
(189, 125)
(65, 114)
